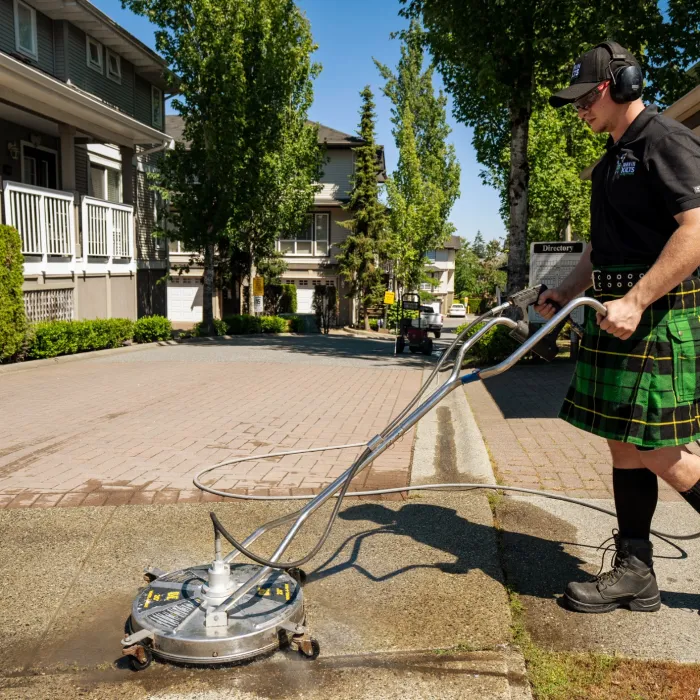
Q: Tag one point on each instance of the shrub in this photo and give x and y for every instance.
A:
(273, 324)
(325, 305)
(241, 324)
(280, 299)
(149, 329)
(296, 324)
(492, 347)
(12, 318)
(220, 328)
(373, 324)
(54, 338)
(394, 314)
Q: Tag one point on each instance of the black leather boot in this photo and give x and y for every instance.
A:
(631, 583)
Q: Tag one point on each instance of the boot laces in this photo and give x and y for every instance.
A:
(618, 562)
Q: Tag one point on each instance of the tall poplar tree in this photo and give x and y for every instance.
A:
(363, 251)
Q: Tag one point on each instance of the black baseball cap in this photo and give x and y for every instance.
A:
(591, 69)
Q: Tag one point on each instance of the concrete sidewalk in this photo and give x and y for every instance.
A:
(396, 582)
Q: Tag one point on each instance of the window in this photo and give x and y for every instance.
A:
(114, 67)
(312, 241)
(156, 107)
(105, 183)
(94, 54)
(431, 255)
(25, 29)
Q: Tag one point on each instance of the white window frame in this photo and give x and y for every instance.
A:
(156, 101)
(314, 244)
(115, 76)
(91, 64)
(106, 164)
(32, 12)
(27, 144)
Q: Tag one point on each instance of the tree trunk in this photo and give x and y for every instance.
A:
(208, 290)
(251, 277)
(517, 197)
(366, 319)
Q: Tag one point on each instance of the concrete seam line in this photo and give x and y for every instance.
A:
(69, 588)
(26, 365)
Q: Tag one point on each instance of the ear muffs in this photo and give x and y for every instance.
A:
(626, 80)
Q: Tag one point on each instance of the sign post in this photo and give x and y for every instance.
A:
(550, 264)
(258, 295)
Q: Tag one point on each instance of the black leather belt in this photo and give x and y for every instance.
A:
(615, 282)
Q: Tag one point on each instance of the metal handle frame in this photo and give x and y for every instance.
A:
(395, 430)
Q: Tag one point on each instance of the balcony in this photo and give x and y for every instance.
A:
(53, 243)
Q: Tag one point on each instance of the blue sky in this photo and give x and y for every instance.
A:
(349, 35)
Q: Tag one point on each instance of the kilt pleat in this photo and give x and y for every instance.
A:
(643, 390)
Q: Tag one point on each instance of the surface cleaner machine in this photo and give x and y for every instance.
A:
(228, 611)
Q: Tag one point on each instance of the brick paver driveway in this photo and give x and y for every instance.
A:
(530, 446)
(136, 427)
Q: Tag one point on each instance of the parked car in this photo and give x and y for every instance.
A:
(430, 319)
(457, 310)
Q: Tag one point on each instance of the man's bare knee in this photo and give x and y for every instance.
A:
(625, 455)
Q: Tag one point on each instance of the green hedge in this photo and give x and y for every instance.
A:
(242, 324)
(273, 324)
(54, 338)
(150, 329)
(12, 319)
(296, 324)
(492, 347)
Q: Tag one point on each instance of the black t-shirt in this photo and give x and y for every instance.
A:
(651, 174)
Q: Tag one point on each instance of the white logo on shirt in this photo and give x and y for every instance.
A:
(576, 71)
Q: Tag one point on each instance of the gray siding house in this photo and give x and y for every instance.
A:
(310, 256)
(81, 118)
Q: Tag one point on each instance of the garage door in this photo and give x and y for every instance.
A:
(305, 299)
(185, 300)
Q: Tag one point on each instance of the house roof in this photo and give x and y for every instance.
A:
(333, 137)
(455, 243)
(84, 15)
(30, 88)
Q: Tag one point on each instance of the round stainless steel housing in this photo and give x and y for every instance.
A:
(173, 608)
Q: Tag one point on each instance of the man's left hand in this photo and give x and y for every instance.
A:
(622, 319)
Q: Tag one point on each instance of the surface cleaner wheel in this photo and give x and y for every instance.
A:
(173, 608)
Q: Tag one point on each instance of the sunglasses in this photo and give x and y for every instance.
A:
(590, 98)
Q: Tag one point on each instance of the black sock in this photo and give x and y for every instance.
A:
(692, 495)
(636, 493)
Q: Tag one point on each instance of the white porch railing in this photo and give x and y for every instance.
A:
(108, 228)
(43, 217)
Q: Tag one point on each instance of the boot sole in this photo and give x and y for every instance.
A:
(635, 604)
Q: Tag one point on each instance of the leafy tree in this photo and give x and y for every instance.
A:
(243, 70)
(424, 187)
(12, 317)
(479, 245)
(477, 272)
(494, 74)
(365, 245)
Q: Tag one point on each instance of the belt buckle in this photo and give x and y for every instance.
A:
(597, 276)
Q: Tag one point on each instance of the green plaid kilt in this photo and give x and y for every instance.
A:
(643, 390)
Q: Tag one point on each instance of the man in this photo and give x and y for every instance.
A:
(635, 382)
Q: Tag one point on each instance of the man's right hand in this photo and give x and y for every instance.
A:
(545, 309)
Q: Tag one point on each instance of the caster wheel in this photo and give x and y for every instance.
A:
(299, 575)
(310, 651)
(146, 660)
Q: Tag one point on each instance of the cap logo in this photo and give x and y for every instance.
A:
(576, 71)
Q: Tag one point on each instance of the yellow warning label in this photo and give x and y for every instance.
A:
(258, 287)
(389, 298)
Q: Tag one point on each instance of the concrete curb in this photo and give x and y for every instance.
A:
(368, 334)
(38, 364)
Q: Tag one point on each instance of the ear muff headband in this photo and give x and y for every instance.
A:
(627, 81)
